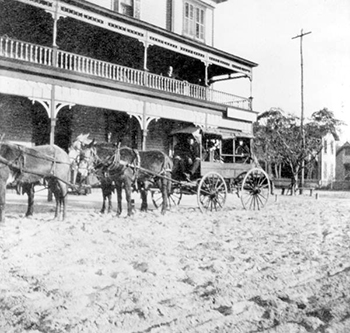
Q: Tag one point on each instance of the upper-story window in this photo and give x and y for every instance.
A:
(194, 20)
(332, 147)
(325, 146)
(125, 7)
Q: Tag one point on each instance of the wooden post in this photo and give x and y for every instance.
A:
(302, 103)
(53, 87)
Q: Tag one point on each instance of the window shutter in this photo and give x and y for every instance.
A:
(115, 5)
(137, 9)
(169, 15)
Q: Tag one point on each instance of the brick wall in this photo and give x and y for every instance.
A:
(16, 119)
(158, 135)
(88, 120)
(22, 121)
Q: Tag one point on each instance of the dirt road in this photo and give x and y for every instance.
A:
(283, 269)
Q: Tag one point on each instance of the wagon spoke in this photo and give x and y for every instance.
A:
(174, 198)
(211, 193)
(255, 189)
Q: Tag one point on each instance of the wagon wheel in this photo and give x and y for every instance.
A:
(255, 189)
(173, 199)
(211, 192)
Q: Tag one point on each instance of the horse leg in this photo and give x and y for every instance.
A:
(74, 174)
(29, 190)
(2, 200)
(109, 198)
(164, 187)
(104, 196)
(128, 197)
(62, 195)
(144, 204)
(107, 188)
(118, 187)
(143, 194)
(55, 188)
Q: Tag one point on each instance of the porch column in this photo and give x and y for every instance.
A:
(251, 92)
(53, 112)
(145, 55)
(206, 74)
(52, 115)
(144, 122)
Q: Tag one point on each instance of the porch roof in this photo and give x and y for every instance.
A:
(145, 32)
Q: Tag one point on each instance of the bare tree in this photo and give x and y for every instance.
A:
(278, 140)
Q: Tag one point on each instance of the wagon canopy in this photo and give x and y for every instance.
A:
(195, 131)
(223, 133)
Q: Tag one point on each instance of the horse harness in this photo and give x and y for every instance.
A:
(114, 165)
(18, 163)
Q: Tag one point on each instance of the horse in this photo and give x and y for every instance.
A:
(79, 164)
(135, 170)
(28, 166)
(156, 170)
(116, 168)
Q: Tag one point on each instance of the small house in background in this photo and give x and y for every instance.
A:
(342, 172)
(327, 160)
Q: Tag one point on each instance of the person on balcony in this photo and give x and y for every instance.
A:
(170, 72)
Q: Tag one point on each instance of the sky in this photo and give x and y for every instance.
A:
(262, 31)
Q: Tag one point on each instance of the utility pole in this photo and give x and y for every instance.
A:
(302, 34)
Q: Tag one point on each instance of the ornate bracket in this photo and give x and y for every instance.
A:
(47, 106)
(144, 121)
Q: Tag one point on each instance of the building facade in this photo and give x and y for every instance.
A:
(127, 69)
(327, 160)
(343, 163)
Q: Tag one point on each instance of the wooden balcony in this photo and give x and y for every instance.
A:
(47, 56)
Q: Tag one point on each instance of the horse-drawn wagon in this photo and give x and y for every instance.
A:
(222, 163)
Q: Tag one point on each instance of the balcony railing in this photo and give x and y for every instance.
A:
(47, 56)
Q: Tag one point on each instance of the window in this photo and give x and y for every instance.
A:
(332, 147)
(325, 146)
(228, 150)
(211, 148)
(236, 150)
(347, 171)
(347, 151)
(194, 20)
(125, 7)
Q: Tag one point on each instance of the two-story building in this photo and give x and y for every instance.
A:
(127, 69)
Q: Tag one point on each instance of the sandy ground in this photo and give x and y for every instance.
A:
(284, 269)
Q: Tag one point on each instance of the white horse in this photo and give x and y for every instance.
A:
(78, 163)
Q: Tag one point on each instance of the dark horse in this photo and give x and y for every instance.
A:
(28, 166)
(129, 168)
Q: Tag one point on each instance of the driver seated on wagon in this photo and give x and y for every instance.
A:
(187, 158)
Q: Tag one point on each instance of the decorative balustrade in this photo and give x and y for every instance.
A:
(48, 56)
